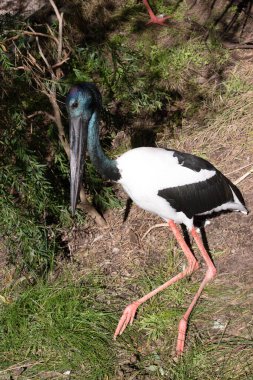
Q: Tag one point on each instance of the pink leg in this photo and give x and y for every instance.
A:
(153, 18)
(210, 273)
(130, 310)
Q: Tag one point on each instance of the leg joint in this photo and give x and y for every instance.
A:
(211, 273)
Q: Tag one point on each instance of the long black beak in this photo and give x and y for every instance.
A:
(78, 142)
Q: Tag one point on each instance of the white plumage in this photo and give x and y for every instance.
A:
(144, 171)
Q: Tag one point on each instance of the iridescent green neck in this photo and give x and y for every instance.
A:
(104, 165)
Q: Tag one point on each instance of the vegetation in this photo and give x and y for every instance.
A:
(53, 328)
(179, 81)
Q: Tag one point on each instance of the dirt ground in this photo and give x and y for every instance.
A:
(121, 250)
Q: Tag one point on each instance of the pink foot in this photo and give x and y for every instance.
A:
(126, 319)
(160, 20)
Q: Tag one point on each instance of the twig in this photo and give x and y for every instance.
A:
(243, 176)
(237, 170)
(51, 32)
(155, 226)
(230, 46)
(33, 62)
(25, 68)
(58, 122)
(20, 365)
(60, 36)
(55, 9)
(44, 58)
(60, 20)
(58, 64)
(44, 113)
(33, 33)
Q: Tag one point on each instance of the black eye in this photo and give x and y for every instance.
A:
(75, 104)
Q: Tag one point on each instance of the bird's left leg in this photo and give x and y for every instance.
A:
(130, 310)
(153, 18)
(210, 273)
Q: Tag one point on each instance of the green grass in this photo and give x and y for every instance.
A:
(224, 360)
(60, 327)
(236, 85)
(209, 354)
(67, 325)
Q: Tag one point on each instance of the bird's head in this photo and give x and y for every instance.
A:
(81, 102)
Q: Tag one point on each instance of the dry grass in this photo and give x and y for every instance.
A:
(225, 135)
(98, 10)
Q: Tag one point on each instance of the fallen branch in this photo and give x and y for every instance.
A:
(43, 57)
(33, 33)
(44, 113)
(58, 122)
(153, 227)
(89, 209)
(242, 178)
(60, 20)
(58, 64)
(231, 46)
(20, 366)
(237, 170)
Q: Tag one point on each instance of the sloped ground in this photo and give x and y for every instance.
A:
(220, 130)
(225, 137)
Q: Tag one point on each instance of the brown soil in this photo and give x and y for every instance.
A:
(120, 252)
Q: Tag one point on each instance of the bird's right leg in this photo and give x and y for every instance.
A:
(130, 310)
(210, 274)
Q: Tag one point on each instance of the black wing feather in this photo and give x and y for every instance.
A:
(192, 162)
(200, 197)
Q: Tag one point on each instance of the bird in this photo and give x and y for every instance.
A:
(160, 20)
(174, 185)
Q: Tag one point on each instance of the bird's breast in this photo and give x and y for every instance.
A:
(147, 171)
(153, 169)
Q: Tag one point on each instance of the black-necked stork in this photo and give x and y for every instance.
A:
(174, 185)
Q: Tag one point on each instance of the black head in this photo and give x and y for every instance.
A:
(81, 101)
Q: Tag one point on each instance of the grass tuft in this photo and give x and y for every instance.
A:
(61, 327)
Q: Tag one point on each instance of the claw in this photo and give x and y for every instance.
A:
(126, 318)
